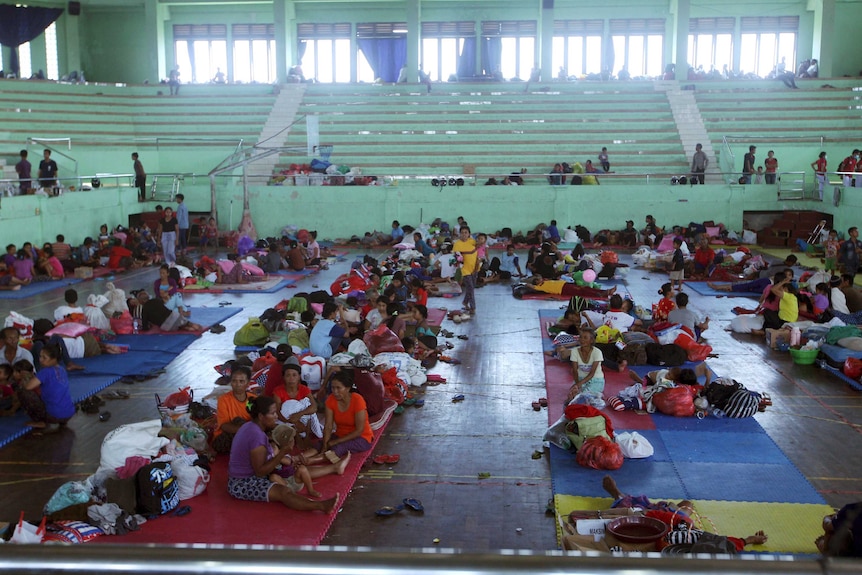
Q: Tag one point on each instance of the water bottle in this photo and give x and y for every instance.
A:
(135, 325)
(795, 336)
(716, 412)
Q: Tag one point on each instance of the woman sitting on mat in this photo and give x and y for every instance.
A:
(46, 397)
(347, 429)
(252, 461)
(586, 367)
(296, 403)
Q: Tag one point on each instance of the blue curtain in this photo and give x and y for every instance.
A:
(492, 50)
(300, 51)
(467, 59)
(19, 25)
(386, 56)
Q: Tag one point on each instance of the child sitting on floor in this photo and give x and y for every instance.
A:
(292, 472)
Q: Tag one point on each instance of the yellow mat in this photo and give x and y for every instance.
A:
(791, 527)
(805, 260)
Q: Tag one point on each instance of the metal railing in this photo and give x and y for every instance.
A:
(217, 559)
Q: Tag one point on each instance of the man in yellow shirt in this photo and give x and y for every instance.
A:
(466, 246)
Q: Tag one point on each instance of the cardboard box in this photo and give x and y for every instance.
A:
(83, 272)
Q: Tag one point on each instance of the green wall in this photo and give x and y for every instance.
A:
(338, 212)
(116, 46)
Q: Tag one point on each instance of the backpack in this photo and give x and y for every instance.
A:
(158, 490)
(718, 393)
(582, 428)
(252, 333)
(665, 355)
(741, 403)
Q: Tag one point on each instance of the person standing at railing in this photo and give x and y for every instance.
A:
(140, 178)
(848, 166)
(47, 171)
(748, 165)
(183, 222)
(23, 169)
(699, 162)
(771, 165)
(819, 166)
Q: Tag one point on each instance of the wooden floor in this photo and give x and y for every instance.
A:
(816, 420)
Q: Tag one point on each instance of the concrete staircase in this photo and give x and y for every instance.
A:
(689, 124)
(275, 130)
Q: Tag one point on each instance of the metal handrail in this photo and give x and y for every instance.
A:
(217, 559)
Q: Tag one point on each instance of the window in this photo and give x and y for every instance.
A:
(25, 65)
(517, 45)
(326, 56)
(442, 44)
(638, 45)
(765, 41)
(385, 36)
(577, 47)
(200, 50)
(53, 69)
(710, 43)
(253, 53)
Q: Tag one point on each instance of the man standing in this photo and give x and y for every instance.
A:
(47, 171)
(23, 168)
(699, 162)
(849, 254)
(182, 223)
(174, 81)
(748, 164)
(140, 178)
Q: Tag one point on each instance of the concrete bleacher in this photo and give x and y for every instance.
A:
(96, 116)
(772, 112)
(492, 129)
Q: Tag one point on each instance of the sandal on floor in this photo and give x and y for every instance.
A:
(543, 401)
(393, 458)
(387, 510)
(414, 504)
(457, 398)
(419, 403)
(765, 401)
(380, 459)
(536, 406)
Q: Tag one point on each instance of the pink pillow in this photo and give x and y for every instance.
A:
(69, 329)
(666, 244)
(317, 307)
(712, 232)
(252, 269)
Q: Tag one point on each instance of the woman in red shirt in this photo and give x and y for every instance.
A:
(347, 429)
(665, 305)
(819, 166)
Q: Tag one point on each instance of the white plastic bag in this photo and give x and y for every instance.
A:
(25, 533)
(191, 479)
(746, 323)
(23, 324)
(132, 439)
(556, 434)
(95, 317)
(634, 445)
(749, 237)
(116, 300)
(669, 334)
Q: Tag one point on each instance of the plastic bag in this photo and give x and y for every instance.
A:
(669, 334)
(600, 453)
(556, 434)
(853, 368)
(68, 494)
(23, 324)
(677, 401)
(634, 445)
(696, 351)
(123, 325)
(132, 439)
(588, 398)
(382, 339)
(26, 533)
(252, 333)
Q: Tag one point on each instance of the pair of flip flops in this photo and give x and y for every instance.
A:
(459, 397)
(115, 394)
(408, 502)
(384, 458)
(137, 378)
(538, 405)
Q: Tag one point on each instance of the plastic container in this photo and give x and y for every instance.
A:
(804, 356)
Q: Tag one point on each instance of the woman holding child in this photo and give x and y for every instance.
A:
(253, 460)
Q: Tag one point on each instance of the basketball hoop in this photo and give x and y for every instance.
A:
(325, 151)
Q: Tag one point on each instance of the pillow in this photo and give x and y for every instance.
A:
(712, 232)
(851, 343)
(252, 269)
(69, 330)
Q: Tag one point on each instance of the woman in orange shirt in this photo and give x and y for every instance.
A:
(347, 429)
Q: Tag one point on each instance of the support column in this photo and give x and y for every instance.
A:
(414, 39)
(682, 11)
(284, 17)
(69, 58)
(546, 41)
(824, 47)
(152, 61)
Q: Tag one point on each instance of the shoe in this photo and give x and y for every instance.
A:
(105, 416)
(414, 504)
(465, 317)
(536, 406)
(457, 398)
(457, 318)
(218, 328)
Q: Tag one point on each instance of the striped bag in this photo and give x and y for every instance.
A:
(742, 403)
